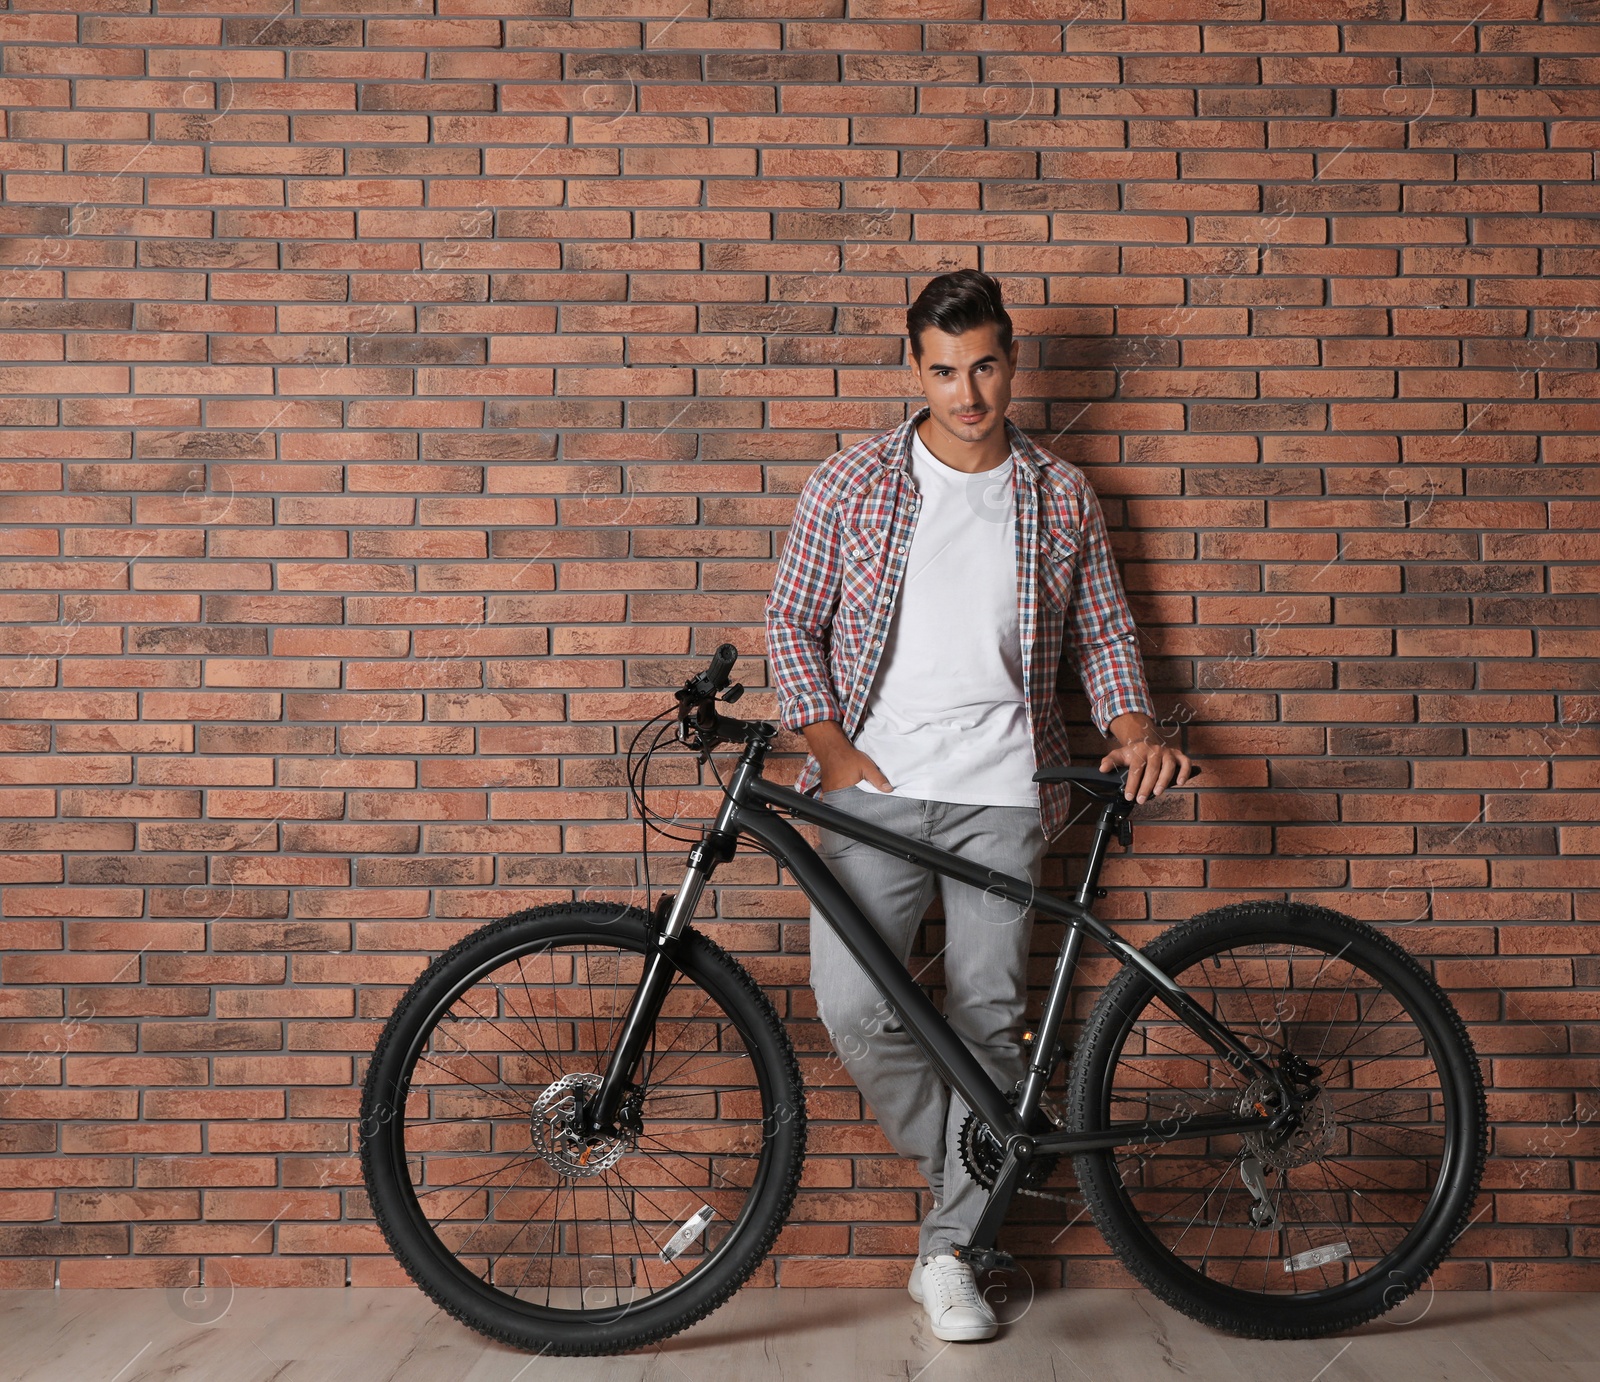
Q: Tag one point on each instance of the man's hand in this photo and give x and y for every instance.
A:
(1153, 765)
(842, 763)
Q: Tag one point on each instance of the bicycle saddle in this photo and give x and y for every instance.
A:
(1105, 786)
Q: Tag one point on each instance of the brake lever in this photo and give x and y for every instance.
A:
(699, 737)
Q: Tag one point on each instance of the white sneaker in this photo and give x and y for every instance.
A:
(949, 1293)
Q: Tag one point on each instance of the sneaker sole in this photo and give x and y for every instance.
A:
(970, 1334)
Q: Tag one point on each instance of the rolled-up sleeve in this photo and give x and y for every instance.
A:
(800, 609)
(1102, 640)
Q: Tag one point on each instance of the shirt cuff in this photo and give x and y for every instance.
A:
(808, 709)
(1121, 704)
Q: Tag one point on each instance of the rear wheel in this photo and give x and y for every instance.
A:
(486, 1191)
(1346, 1216)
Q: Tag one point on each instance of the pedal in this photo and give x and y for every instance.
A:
(984, 1259)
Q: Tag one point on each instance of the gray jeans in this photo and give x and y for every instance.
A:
(985, 964)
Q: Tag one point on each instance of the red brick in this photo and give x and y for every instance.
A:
(168, 1273)
(279, 1137)
(286, 1271)
(206, 1171)
(62, 901)
(125, 1206)
(134, 802)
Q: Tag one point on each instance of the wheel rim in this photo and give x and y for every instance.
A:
(1348, 1199)
(489, 1171)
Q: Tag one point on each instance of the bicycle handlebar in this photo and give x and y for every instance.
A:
(698, 720)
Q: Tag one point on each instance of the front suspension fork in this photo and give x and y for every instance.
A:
(600, 1112)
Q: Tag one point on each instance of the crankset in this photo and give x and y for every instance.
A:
(983, 1154)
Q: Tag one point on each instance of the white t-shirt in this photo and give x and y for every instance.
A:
(946, 718)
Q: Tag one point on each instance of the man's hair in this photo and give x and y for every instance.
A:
(957, 302)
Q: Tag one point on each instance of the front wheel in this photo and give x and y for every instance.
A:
(479, 1175)
(1283, 1236)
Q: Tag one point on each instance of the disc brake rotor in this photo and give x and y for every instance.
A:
(1311, 1139)
(555, 1134)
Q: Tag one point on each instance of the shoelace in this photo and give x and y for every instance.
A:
(952, 1286)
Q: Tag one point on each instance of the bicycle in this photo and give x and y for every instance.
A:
(583, 1125)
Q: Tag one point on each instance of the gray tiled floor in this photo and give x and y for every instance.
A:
(851, 1336)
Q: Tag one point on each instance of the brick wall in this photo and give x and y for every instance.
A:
(394, 405)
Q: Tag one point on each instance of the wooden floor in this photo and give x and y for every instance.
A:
(831, 1336)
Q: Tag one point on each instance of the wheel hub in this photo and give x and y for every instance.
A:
(1309, 1140)
(556, 1137)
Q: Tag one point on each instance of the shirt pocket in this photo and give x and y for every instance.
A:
(1058, 566)
(861, 553)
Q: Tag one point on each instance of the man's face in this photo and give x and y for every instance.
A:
(966, 379)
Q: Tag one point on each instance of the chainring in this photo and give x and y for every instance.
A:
(982, 1153)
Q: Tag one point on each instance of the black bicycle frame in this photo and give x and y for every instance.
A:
(750, 808)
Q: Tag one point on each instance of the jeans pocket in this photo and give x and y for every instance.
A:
(831, 844)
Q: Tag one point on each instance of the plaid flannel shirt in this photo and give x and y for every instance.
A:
(833, 597)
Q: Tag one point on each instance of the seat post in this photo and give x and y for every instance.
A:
(1090, 889)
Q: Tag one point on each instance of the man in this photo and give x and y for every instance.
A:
(914, 628)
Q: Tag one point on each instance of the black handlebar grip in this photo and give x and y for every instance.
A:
(721, 664)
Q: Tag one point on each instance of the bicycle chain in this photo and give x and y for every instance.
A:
(1048, 1195)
